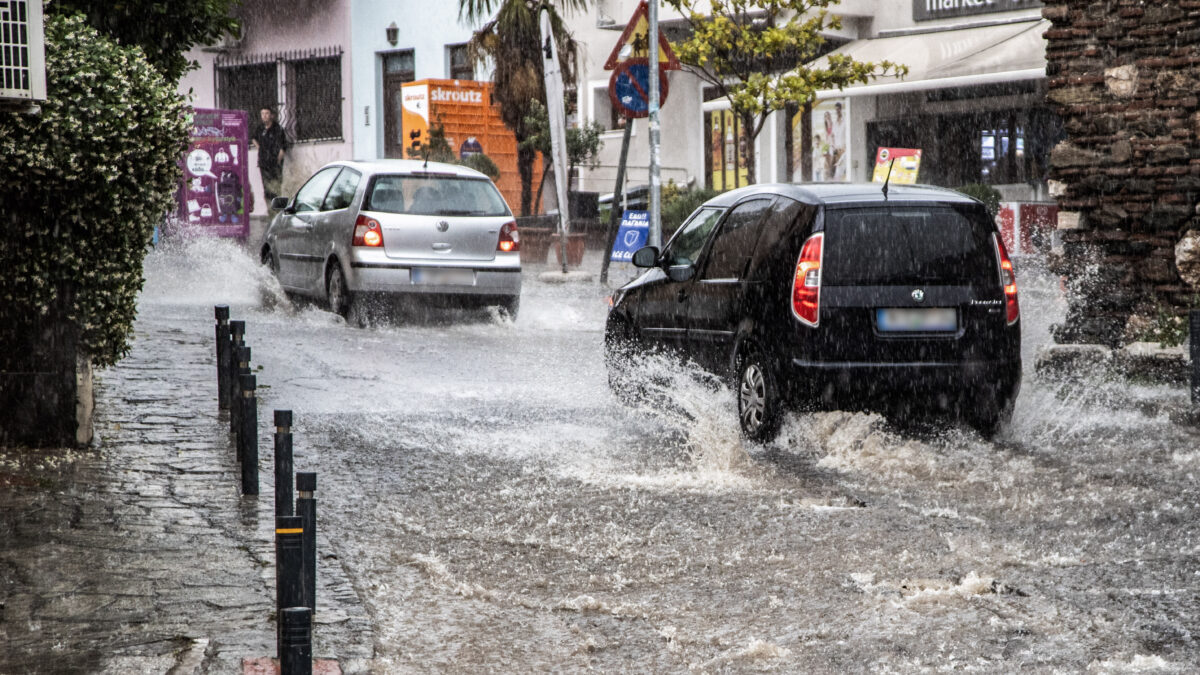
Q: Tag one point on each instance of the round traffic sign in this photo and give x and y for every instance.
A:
(628, 85)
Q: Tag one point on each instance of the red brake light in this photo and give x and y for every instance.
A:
(1008, 279)
(509, 239)
(806, 287)
(367, 232)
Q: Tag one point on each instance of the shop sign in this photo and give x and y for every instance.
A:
(929, 10)
(903, 163)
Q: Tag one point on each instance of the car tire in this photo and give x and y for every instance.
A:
(620, 346)
(986, 414)
(337, 295)
(759, 402)
(510, 307)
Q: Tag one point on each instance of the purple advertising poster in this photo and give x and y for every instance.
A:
(216, 184)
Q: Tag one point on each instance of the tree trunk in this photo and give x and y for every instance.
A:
(525, 159)
(542, 184)
(45, 383)
(751, 135)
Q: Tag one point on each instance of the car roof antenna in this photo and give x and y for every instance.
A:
(888, 179)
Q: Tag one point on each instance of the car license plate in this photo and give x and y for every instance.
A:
(923, 320)
(442, 276)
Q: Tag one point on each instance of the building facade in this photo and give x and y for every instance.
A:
(973, 102)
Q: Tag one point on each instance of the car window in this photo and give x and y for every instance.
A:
(312, 194)
(876, 246)
(342, 193)
(734, 242)
(684, 248)
(436, 195)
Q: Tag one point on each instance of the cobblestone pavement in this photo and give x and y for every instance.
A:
(138, 555)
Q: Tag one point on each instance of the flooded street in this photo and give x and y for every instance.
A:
(497, 510)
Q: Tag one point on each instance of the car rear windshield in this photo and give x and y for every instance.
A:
(436, 195)
(886, 245)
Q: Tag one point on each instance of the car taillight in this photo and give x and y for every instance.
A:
(367, 232)
(1008, 279)
(509, 239)
(806, 287)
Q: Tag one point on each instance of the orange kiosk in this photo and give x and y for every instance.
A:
(472, 124)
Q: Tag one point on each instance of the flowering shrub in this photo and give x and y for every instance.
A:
(81, 188)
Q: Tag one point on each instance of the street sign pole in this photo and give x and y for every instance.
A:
(655, 179)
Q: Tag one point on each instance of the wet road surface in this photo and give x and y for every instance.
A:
(496, 510)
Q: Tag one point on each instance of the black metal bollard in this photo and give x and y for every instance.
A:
(237, 338)
(289, 569)
(224, 349)
(241, 360)
(248, 437)
(283, 463)
(306, 508)
(295, 641)
(1194, 349)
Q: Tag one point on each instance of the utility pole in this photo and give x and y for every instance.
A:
(655, 236)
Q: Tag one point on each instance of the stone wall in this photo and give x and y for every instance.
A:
(1125, 77)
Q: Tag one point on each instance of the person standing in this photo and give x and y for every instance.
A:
(272, 142)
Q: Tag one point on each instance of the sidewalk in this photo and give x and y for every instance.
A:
(138, 555)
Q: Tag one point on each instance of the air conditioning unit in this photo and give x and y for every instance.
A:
(22, 54)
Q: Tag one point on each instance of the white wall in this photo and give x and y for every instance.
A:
(425, 27)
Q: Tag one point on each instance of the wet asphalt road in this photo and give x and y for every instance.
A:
(496, 510)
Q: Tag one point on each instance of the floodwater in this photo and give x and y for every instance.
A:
(498, 510)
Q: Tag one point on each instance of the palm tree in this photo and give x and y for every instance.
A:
(511, 41)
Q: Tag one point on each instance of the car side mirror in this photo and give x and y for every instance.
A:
(646, 256)
(280, 203)
(681, 272)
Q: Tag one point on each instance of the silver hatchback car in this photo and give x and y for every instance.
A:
(395, 226)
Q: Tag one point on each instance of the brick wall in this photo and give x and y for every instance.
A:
(1125, 77)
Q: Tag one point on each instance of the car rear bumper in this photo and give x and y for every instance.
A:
(867, 382)
(400, 278)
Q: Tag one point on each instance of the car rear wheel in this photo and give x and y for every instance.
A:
(760, 407)
(510, 307)
(986, 414)
(336, 293)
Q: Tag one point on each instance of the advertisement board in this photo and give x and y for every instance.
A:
(1026, 227)
(904, 163)
(830, 140)
(472, 125)
(930, 10)
(635, 230)
(212, 200)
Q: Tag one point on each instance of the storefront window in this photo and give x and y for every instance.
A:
(725, 151)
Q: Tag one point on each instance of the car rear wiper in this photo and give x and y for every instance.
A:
(459, 212)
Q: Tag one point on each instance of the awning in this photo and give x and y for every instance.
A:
(952, 58)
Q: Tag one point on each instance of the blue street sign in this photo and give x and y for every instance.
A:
(628, 85)
(635, 229)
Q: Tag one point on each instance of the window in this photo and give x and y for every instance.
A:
(603, 111)
(315, 92)
(686, 245)
(312, 194)
(305, 88)
(436, 196)
(734, 243)
(460, 63)
(342, 193)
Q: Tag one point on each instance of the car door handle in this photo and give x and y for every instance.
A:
(440, 246)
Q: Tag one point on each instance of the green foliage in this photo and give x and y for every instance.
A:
(678, 204)
(754, 51)
(1166, 327)
(82, 186)
(165, 30)
(583, 143)
(987, 194)
(483, 164)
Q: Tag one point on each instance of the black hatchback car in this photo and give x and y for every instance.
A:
(832, 296)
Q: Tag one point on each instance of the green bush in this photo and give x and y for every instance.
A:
(987, 194)
(82, 186)
(678, 204)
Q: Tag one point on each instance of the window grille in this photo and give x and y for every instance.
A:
(22, 51)
(305, 88)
